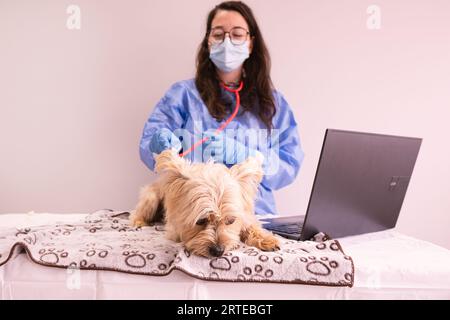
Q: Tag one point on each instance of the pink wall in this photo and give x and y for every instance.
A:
(73, 102)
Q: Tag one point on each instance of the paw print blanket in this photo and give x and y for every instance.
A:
(106, 241)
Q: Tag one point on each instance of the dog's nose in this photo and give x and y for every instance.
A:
(216, 250)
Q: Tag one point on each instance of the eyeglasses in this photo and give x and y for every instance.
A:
(238, 35)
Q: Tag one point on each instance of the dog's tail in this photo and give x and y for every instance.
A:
(149, 208)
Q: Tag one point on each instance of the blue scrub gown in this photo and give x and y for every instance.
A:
(182, 111)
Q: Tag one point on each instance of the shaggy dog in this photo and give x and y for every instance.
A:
(206, 206)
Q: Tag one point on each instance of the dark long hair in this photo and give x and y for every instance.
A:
(256, 96)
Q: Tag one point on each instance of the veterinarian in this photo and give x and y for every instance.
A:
(232, 56)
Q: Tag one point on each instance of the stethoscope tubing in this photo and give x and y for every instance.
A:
(225, 124)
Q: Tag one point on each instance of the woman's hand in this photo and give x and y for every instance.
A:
(225, 150)
(164, 139)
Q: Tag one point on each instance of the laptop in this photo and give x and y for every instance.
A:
(359, 186)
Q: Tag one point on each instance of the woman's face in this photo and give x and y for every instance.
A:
(228, 20)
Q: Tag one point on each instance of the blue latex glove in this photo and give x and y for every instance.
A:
(224, 149)
(164, 139)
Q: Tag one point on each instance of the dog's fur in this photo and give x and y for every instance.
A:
(206, 206)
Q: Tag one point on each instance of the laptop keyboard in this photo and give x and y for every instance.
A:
(290, 228)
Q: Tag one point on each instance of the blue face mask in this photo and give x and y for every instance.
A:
(228, 57)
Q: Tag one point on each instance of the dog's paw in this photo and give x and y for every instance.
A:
(269, 243)
(137, 223)
(263, 240)
(140, 223)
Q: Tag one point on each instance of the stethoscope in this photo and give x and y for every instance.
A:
(218, 130)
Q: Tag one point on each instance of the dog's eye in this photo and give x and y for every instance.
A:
(201, 222)
(230, 220)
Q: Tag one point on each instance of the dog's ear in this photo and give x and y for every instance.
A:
(249, 174)
(169, 161)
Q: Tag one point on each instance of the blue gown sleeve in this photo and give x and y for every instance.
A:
(168, 113)
(284, 156)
